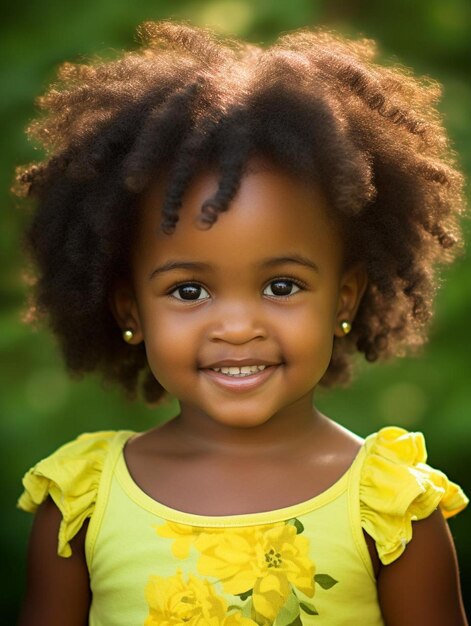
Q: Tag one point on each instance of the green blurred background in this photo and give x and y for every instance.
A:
(41, 408)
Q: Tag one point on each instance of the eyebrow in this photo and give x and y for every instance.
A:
(170, 266)
(296, 259)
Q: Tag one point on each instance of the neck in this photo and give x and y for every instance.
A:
(287, 430)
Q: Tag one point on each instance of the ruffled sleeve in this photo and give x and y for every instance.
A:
(70, 476)
(397, 487)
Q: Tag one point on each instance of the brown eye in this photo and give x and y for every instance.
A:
(190, 291)
(281, 288)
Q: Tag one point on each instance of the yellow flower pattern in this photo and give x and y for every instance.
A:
(266, 568)
(173, 602)
(183, 535)
(269, 559)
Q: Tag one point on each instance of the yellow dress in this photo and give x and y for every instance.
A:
(153, 565)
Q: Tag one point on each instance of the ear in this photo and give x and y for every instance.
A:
(123, 305)
(352, 288)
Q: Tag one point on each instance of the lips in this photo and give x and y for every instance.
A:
(240, 378)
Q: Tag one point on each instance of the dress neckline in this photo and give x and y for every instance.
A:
(143, 500)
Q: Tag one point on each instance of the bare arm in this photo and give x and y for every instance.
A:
(58, 590)
(422, 586)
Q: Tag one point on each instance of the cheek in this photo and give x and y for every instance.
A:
(171, 346)
(313, 345)
(308, 337)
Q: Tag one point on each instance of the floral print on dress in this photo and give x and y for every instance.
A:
(265, 568)
(174, 601)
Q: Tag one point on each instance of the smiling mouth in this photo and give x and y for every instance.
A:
(243, 378)
(239, 372)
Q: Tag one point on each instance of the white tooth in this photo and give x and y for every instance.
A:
(245, 370)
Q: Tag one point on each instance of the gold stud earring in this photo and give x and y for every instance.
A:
(345, 326)
(128, 335)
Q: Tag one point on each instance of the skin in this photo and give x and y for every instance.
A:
(238, 292)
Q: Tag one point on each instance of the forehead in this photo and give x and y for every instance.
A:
(272, 213)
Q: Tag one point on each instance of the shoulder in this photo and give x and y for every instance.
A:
(340, 445)
(70, 477)
(397, 487)
(403, 505)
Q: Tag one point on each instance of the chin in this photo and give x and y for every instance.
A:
(241, 421)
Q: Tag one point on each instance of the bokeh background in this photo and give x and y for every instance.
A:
(40, 407)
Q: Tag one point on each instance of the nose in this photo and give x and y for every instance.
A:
(237, 322)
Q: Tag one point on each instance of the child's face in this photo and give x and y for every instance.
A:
(263, 286)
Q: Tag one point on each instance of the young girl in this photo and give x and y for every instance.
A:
(229, 225)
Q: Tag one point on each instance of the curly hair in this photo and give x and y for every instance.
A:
(313, 103)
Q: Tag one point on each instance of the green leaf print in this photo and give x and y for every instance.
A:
(310, 609)
(246, 594)
(289, 612)
(246, 609)
(297, 524)
(297, 622)
(325, 581)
